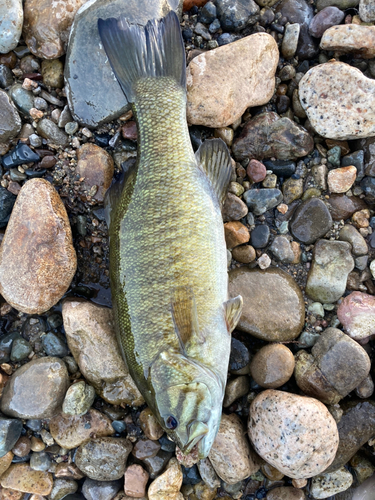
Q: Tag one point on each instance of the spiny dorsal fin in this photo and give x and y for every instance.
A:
(184, 314)
(214, 159)
(233, 310)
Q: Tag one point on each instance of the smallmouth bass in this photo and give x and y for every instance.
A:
(168, 262)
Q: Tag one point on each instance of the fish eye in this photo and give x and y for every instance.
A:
(171, 422)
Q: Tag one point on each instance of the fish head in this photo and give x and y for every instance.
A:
(188, 400)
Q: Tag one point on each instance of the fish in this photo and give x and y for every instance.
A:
(167, 251)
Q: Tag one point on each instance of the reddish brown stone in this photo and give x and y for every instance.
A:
(256, 171)
(96, 166)
(48, 162)
(236, 234)
(14, 187)
(22, 447)
(135, 481)
(9, 59)
(343, 207)
(129, 131)
(189, 4)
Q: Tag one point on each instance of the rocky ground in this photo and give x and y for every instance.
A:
(289, 86)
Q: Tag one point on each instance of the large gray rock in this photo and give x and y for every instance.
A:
(10, 121)
(94, 96)
(11, 15)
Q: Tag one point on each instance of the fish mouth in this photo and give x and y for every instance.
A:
(197, 430)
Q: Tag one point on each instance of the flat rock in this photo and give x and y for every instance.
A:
(273, 308)
(301, 429)
(96, 166)
(47, 26)
(99, 98)
(261, 200)
(21, 477)
(216, 98)
(350, 38)
(337, 100)
(332, 262)
(103, 459)
(34, 280)
(356, 313)
(46, 379)
(367, 10)
(71, 431)
(10, 121)
(11, 15)
(167, 485)
(92, 340)
(267, 135)
(330, 483)
(231, 455)
(310, 221)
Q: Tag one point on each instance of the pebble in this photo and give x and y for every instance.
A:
(100, 490)
(235, 234)
(234, 208)
(350, 38)
(244, 254)
(136, 479)
(38, 220)
(92, 341)
(156, 465)
(239, 357)
(324, 373)
(285, 493)
(47, 25)
(256, 171)
(50, 131)
(290, 40)
(260, 236)
(282, 168)
(216, 102)
(324, 19)
(208, 474)
(22, 447)
(230, 455)
(10, 431)
(102, 100)
(272, 366)
(282, 250)
(70, 431)
(78, 399)
(330, 483)
(97, 168)
(273, 307)
(366, 388)
(145, 449)
(311, 221)
(6, 76)
(350, 234)
(353, 119)
(53, 73)
(343, 207)
(11, 15)
(267, 135)
(21, 349)
(341, 4)
(300, 428)
(103, 458)
(235, 389)
(40, 461)
(23, 99)
(21, 477)
(356, 314)
(167, 485)
(331, 265)
(261, 200)
(149, 424)
(234, 15)
(10, 121)
(54, 345)
(341, 180)
(292, 190)
(367, 10)
(46, 378)
(62, 488)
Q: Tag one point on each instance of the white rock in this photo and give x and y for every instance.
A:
(11, 17)
(350, 38)
(367, 10)
(338, 100)
(331, 483)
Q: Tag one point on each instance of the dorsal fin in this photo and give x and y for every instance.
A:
(233, 310)
(214, 159)
(184, 314)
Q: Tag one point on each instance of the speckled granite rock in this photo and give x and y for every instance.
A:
(356, 313)
(330, 483)
(216, 99)
(168, 484)
(301, 429)
(345, 112)
(11, 15)
(367, 10)
(99, 99)
(350, 38)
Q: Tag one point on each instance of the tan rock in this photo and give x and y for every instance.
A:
(244, 254)
(92, 340)
(71, 431)
(337, 99)
(231, 455)
(47, 25)
(167, 486)
(150, 425)
(236, 388)
(285, 493)
(272, 366)
(9, 494)
(235, 234)
(37, 257)
(22, 478)
(96, 166)
(217, 98)
(5, 462)
(341, 180)
(350, 38)
(301, 429)
(135, 481)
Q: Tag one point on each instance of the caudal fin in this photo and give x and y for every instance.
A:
(136, 52)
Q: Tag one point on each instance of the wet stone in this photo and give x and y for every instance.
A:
(100, 490)
(286, 493)
(267, 135)
(271, 414)
(22, 478)
(6, 77)
(282, 168)
(292, 190)
(272, 366)
(62, 488)
(7, 200)
(353, 236)
(282, 250)
(50, 131)
(261, 200)
(10, 431)
(244, 254)
(366, 388)
(54, 345)
(260, 236)
(96, 166)
(167, 486)
(21, 348)
(19, 155)
(156, 465)
(208, 474)
(53, 72)
(350, 38)
(40, 461)
(356, 314)
(235, 234)
(331, 483)
(256, 171)
(332, 262)
(273, 307)
(208, 13)
(150, 425)
(145, 449)
(235, 15)
(239, 356)
(45, 378)
(38, 219)
(22, 447)
(324, 19)
(78, 399)
(235, 389)
(5, 462)
(23, 99)
(136, 479)
(310, 221)
(290, 40)
(343, 207)
(103, 459)
(10, 121)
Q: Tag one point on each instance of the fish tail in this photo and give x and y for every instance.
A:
(136, 52)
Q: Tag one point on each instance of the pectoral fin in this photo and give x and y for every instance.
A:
(185, 317)
(233, 310)
(214, 159)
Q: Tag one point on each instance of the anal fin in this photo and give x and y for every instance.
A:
(214, 159)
